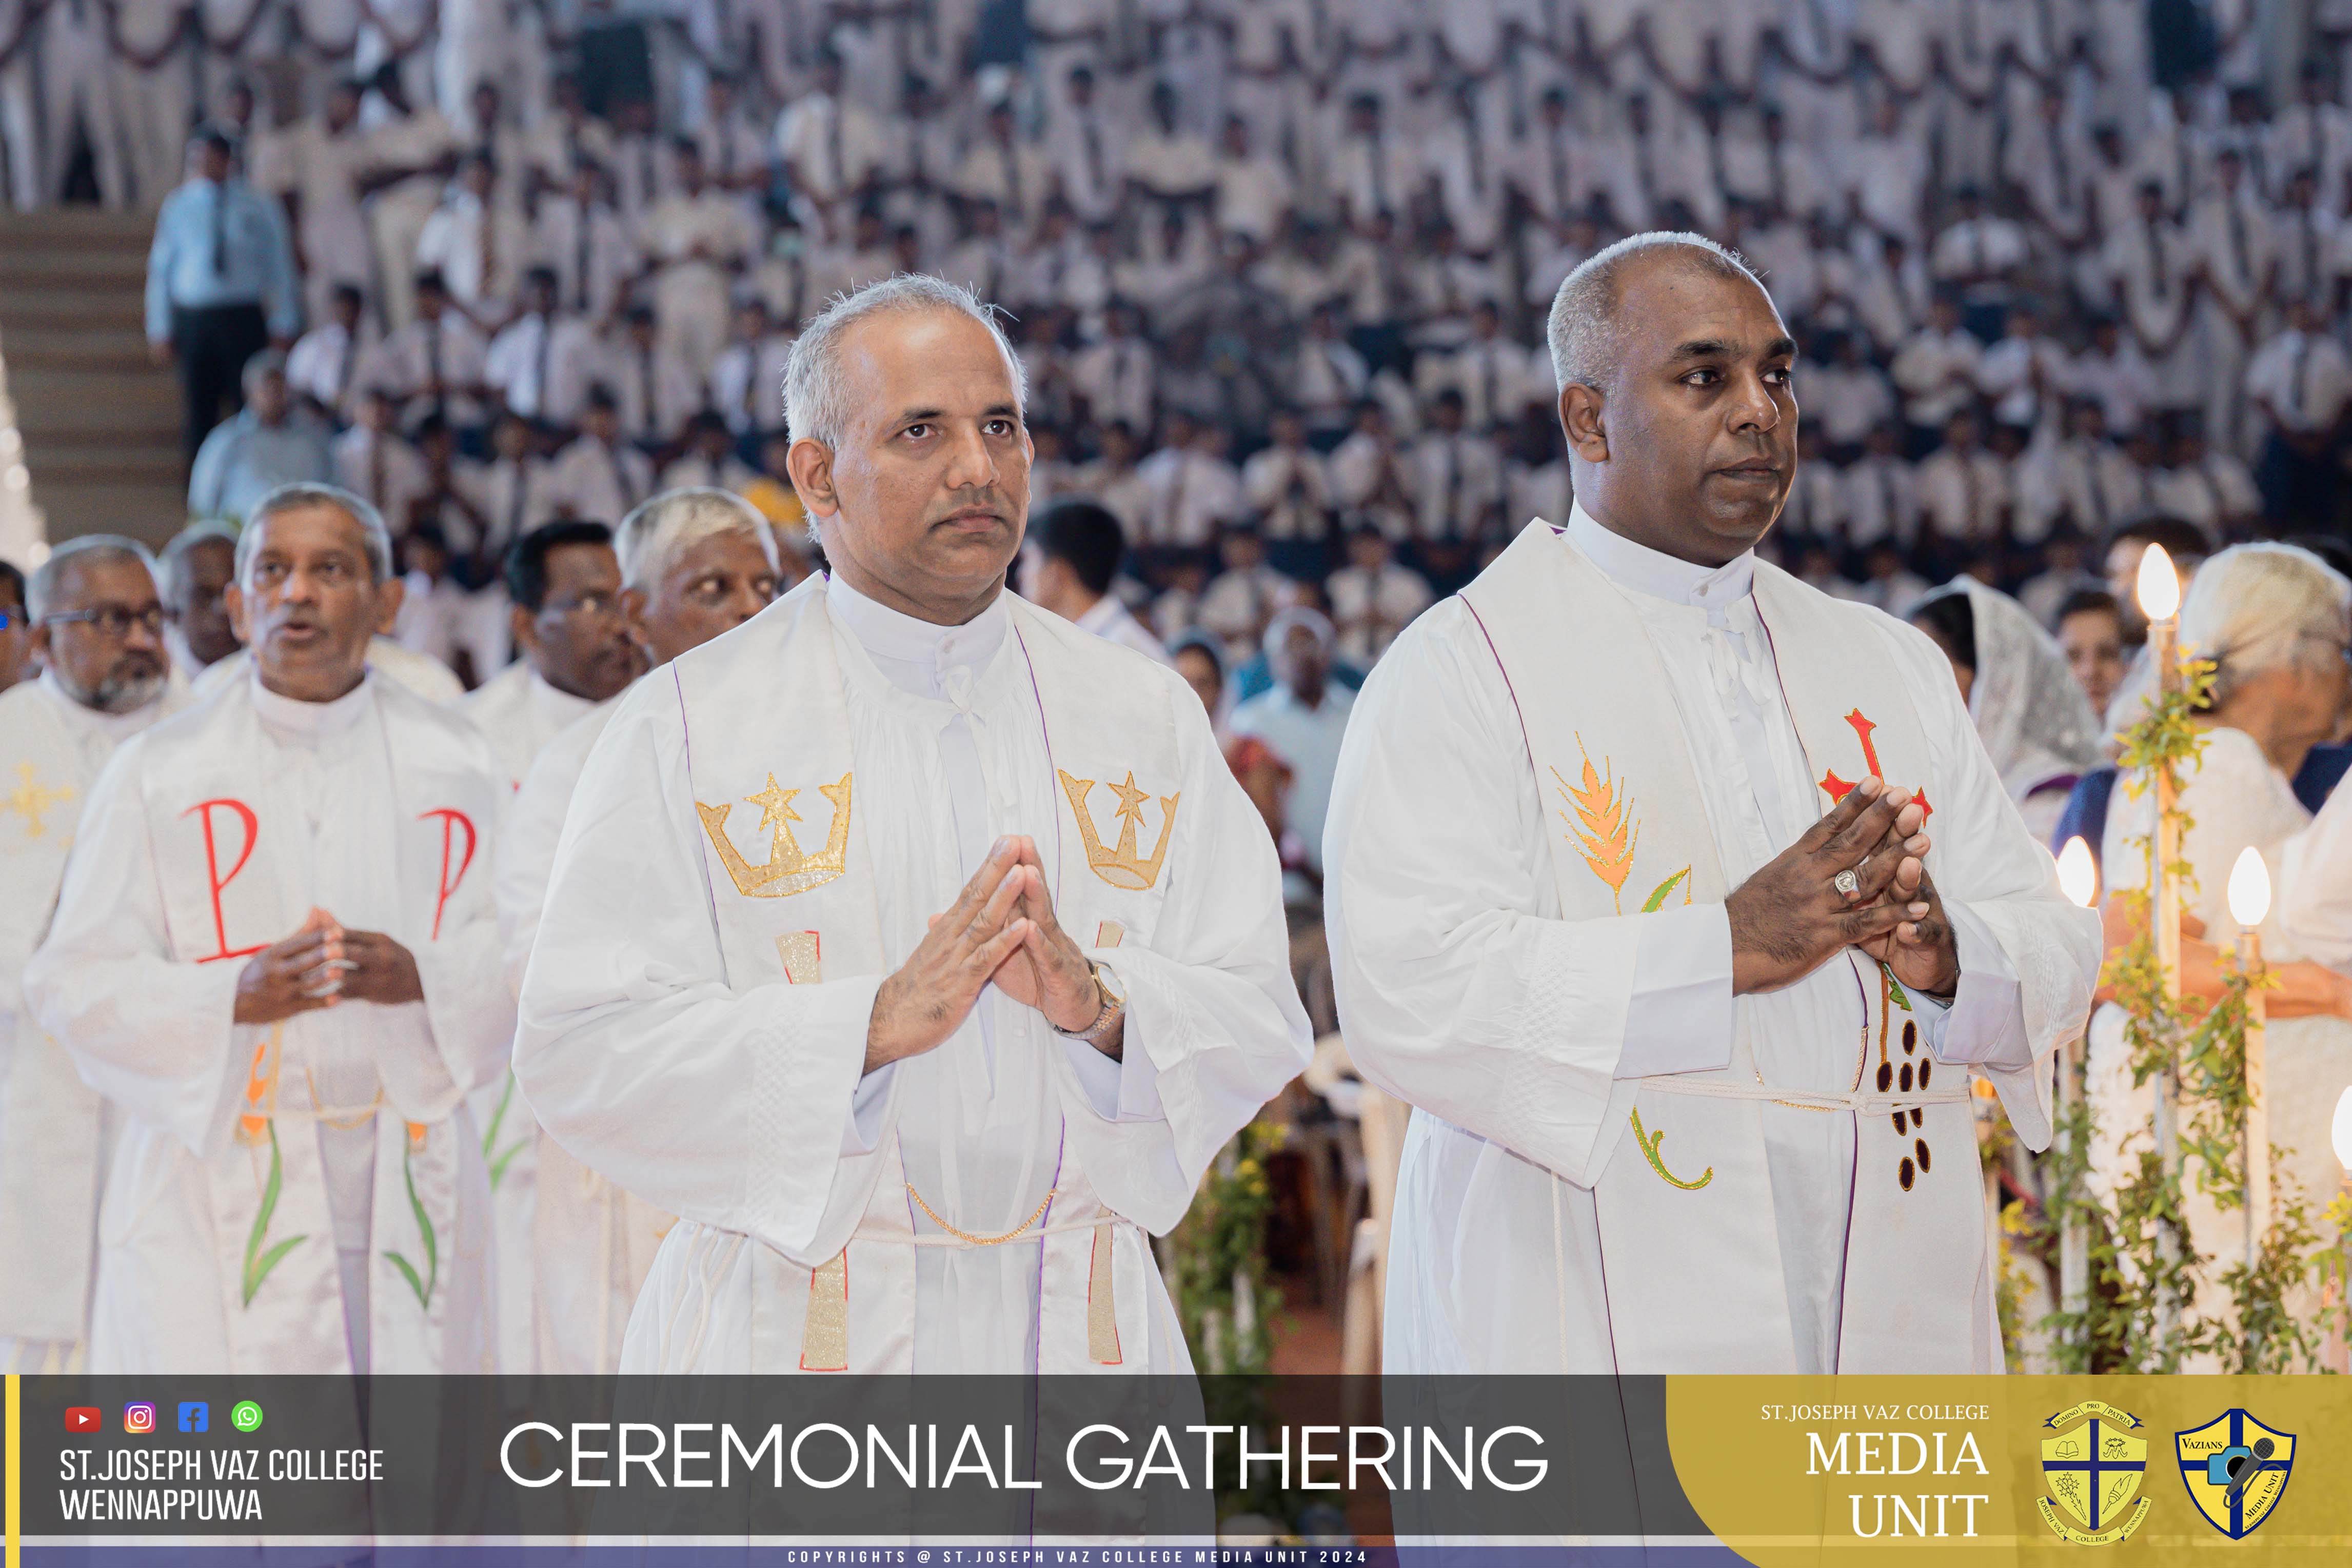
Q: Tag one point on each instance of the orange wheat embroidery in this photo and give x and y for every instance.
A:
(1608, 832)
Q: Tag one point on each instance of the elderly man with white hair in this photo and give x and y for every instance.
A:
(694, 563)
(98, 626)
(2277, 621)
(275, 952)
(1634, 895)
(921, 1044)
(1303, 716)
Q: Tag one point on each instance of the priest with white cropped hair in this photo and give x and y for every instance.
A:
(106, 675)
(275, 953)
(1681, 902)
(914, 948)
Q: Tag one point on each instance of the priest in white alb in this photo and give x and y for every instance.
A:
(1682, 904)
(275, 951)
(692, 563)
(106, 675)
(574, 652)
(914, 948)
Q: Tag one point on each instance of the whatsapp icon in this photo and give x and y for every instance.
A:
(245, 1415)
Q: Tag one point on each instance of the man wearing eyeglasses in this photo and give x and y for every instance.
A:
(565, 585)
(274, 954)
(95, 622)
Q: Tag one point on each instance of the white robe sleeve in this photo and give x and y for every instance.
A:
(1461, 989)
(722, 1106)
(2029, 959)
(1214, 1028)
(152, 1034)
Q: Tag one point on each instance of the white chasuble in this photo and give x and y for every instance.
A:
(758, 838)
(307, 1196)
(1614, 1164)
(55, 1131)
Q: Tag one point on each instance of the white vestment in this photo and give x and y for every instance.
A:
(517, 712)
(695, 1012)
(1511, 996)
(307, 1195)
(53, 1131)
(592, 1243)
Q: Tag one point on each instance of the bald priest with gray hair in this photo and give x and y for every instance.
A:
(1682, 904)
(913, 947)
(275, 955)
(98, 625)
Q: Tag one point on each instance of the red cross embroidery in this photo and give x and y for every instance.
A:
(1838, 789)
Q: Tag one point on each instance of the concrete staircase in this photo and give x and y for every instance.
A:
(101, 423)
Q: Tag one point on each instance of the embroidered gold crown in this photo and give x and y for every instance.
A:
(787, 868)
(1122, 865)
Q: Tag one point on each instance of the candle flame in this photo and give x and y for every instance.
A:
(2078, 877)
(2250, 888)
(2159, 585)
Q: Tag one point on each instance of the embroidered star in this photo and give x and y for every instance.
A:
(775, 806)
(29, 800)
(1130, 800)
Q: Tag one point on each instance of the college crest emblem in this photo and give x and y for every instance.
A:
(2235, 1470)
(2092, 1462)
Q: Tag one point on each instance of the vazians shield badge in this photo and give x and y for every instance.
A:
(2092, 1463)
(2235, 1470)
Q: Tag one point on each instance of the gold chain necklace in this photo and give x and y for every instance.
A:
(966, 1235)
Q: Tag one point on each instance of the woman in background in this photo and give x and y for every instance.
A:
(2030, 711)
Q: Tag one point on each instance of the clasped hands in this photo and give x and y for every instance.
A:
(322, 965)
(1000, 929)
(1792, 914)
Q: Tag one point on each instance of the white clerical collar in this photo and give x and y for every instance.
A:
(293, 717)
(113, 725)
(1655, 573)
(917, 647)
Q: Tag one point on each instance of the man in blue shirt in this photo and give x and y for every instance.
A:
(220, 285)
(269, 443)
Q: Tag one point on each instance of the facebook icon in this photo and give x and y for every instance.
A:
(196, 1416)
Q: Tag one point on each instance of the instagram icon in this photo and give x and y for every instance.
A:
(140, 1417)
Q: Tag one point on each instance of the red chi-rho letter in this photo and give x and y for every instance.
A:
(213, 872)
(451, 820)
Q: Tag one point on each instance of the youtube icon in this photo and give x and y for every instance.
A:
(84, 1418)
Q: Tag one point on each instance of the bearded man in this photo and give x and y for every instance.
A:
(98, 628)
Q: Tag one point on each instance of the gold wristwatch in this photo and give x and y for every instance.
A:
(1114, 1006)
